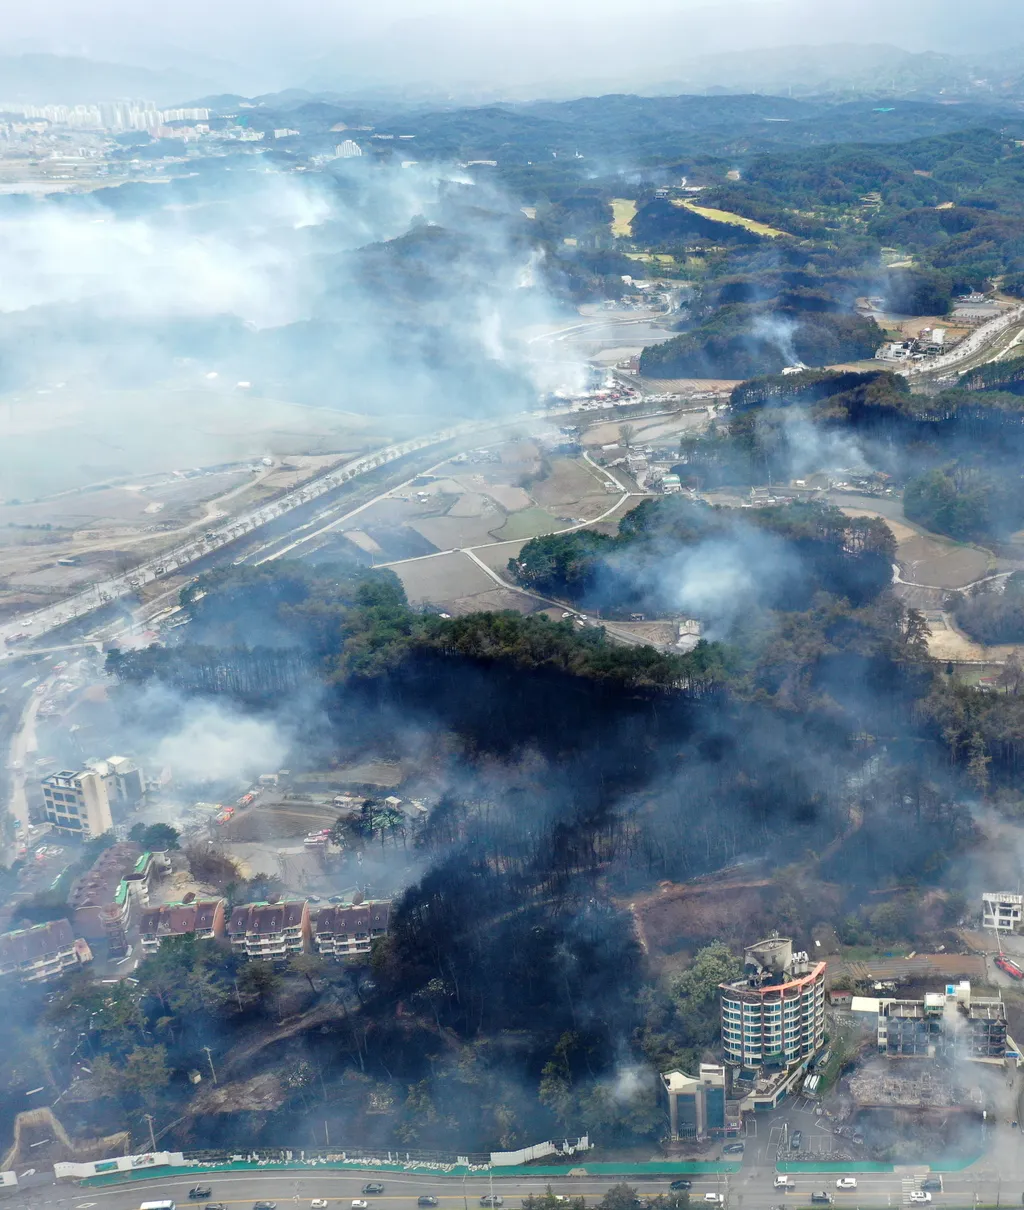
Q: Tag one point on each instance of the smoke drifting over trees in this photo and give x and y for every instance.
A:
(568, 774)
(394, 294)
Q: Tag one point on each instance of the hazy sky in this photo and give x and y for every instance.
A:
(269, 43)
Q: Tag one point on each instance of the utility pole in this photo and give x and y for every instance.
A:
(152, 1136)
(210, 1058)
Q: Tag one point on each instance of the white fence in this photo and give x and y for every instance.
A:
(507, 1159)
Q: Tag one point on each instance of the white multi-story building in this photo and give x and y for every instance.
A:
(775, 1015)
(347, 149)
(77, 804)
(1001, 910)
(122, 777)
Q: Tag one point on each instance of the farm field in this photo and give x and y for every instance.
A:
(454, 583)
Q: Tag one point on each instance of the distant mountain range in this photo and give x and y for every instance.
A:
(853, 69)
(837, 71)
(41, 79)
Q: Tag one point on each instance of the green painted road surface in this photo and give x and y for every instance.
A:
(521, 1170)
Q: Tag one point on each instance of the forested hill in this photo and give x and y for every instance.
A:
(637, 127)
(256, 630)
(792, 552)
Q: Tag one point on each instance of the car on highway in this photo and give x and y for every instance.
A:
(426, 1199)
(920, 1197)
(681, 1184)
(492, 1199)
(318, 1203)
(821, 1199)
(785, 1182)
(796, 1142)
(716, 1199)
(732, 1149)
(199, 1192)
(264, 1206)
(932, 1182)
(215, 1206)
(359, 1204)
(373, 1187)
(846, 1182)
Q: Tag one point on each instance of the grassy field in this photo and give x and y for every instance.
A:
(623, 213)
(527, 524)
(652, 258)
(735, 220)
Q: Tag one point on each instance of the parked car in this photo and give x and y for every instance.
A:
(919, 1197)
(373, 1187)
(681, 1184)
(426, 1199)
(797, 1139)
(846, 1182)
(200, 1192)
(492, 1199)
(732, 1149)
(822, 1198)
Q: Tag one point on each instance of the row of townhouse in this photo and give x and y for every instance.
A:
(41, 953)
(272, 931)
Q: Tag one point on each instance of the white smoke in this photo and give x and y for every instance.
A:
(218, 743)
(720, 580)
(813, 448)
(631, 1081)
(780, 332)
(178, 262)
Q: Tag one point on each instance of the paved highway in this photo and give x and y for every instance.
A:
(201, 546)
(974, 348)
(752, 1187)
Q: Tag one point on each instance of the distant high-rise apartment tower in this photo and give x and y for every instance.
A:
(347, 149)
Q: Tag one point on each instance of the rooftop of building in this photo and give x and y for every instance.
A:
(266, 918)
(179, 919)
(905, 1008)
(31, 944)
(680, 1082)
(986, 1009)
(353, 917)
(773, 963)
(99, 884)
